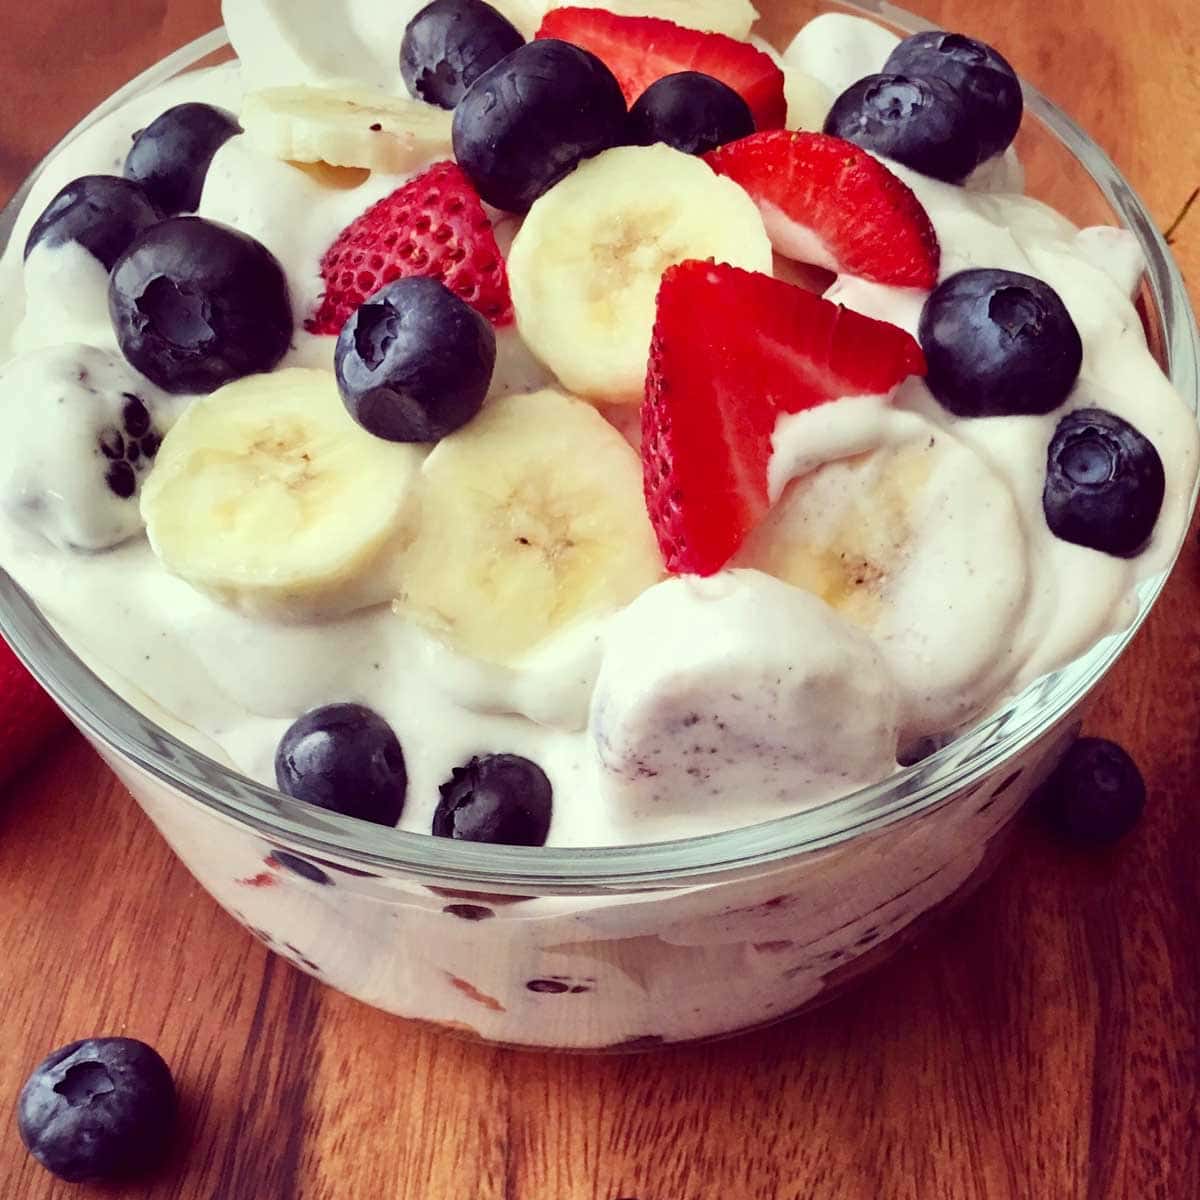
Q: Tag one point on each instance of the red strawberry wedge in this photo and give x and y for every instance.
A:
(434, 226)
(641, 50)
(28, 717)
(868, 221)
(731, 351)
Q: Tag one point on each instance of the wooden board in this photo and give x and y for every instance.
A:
(1045, 1044)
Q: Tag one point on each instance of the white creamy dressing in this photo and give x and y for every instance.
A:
(982, 598)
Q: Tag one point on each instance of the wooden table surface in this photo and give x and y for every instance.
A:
(1044, 1044)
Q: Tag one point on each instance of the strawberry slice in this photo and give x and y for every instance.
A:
(640, 50)
(731, 351)
(868, 222)
(434, 225)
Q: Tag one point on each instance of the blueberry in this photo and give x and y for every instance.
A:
(100, 212)
(469, 912)
(690, 111)
(923, 123)
(414, 362)
(979, 73)
(1104, 483)
(532, 118)
(121, 479)
(135, 417)
(196, 304)
(100, 1109)
(449, 44)
(1096, 793)
(171, 156)
(300, 866)
(998, 343)
(345, 758)
(502, 799)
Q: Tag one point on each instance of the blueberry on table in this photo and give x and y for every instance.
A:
(979, 73)
(689, 111)
(998, 343)
(502, 799)
(196, 304)
(1104, 483)
(449, 44)
(345, 758)
(532, 118)
(1095, 795)
(101, 1109)
(101, 212)
(922, 123)
(171, 156)
(414, 362)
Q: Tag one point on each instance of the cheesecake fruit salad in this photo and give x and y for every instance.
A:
(574, 427)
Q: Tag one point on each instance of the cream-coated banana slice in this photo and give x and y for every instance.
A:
(268, 496)
(732, 17)
(735, 693)
(585, 267)
(532, 520)
(918, 542)
(354, 127)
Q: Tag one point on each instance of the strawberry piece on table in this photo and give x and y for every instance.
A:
(433, 226)
(28, 717)
(731, 351)
(868, 220)
(641, 50)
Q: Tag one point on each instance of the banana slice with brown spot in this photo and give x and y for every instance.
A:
(268, 496)
(532, 519)
(346, 127)
(586, 265)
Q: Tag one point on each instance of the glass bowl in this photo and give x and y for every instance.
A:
(621, 948)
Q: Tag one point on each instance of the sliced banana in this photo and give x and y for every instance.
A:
(268, 496)
(346, 127)
(586, 265)
(526, 15)
(734, 698)
(532, 520)
(334, 179)
(732, 17)
(808, 100)
(920, 543)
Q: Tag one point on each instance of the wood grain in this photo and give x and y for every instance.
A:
(1044, 1044)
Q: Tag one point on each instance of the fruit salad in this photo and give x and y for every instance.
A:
(538, 424)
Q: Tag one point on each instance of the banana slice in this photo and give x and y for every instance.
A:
(532, 520)
(731, 699)
(808, 100)
(334, 179)
(526, 15)
(346, 128)
(585, 267)
(268, 496)
(919, 543)
(732, 17)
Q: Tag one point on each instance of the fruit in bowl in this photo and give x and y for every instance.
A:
(609, 436)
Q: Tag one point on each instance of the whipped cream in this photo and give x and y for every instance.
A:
(962, 593)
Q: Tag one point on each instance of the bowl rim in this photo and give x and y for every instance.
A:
(117, 726)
